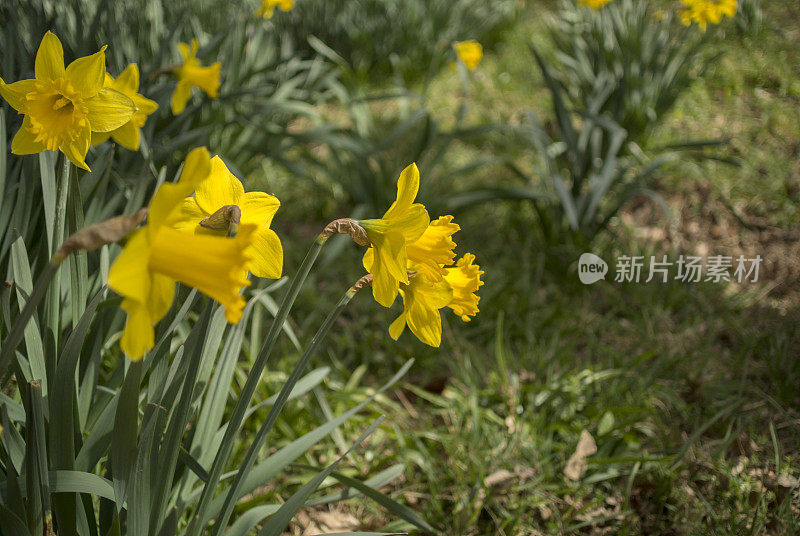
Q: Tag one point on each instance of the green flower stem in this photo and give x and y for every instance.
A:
(272, 416)
(53, 309)
(253, 378)
(18, 328)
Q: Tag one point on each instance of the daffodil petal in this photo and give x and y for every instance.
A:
(258, 208)
(170, 195)
(138, 336)
(426, 324)
(162, 293)
(49, 64)
(109, 110)
(187, 216)
(25, 141)
(166, 201)
(128, 80)
(182, 94)
(267, 254)
(197, 166)
(397, 327)
(129, 275)
(88, 74)
(76, 150)
(407, 188)
(220, 188)
(100, 137)
(15, 93)
(412, 222)
(128, 136)
(144, 105)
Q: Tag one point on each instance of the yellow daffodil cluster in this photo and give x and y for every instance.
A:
(267, 7)
(470, 53)
(191, 74)
(413, 256)
(62, 108)
(177, 245)
(594, 4)
(704, 11)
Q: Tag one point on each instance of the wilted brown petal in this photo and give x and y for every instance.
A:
(101, 233)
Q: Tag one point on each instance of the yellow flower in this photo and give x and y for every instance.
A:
(704, 11)
(128, 134)
(594, 4)
(62, 107)
(193, 74)
(469, 52)
(422, 300)
(465, 280)
(268, 7)
(434, 249)
(156, 256)
(221, 189)
(403, 224)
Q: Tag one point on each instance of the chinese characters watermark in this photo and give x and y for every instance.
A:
(686, 268)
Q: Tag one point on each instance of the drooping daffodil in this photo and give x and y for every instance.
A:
(129, 134)
(401, 225)
(62, 107)
(191, 74)
(423, 298)
(222, 189)
(156, 256)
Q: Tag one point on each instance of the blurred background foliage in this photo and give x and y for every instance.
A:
(618, 131)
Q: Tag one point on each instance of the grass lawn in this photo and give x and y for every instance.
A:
(688, 391)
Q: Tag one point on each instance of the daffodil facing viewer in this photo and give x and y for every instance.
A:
(193, 74)
(220, 193)
(157, 256)
(403, 224)
(704, 11)
(63, 107)
(129, 134)
(469, 52)
(268, 7)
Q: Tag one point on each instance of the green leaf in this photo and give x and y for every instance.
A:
(248, 520)
(139, 505)
(36, 478)
(123, 440)
(378, 481)
(280, 519)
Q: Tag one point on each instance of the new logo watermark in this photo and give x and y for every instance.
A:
(687, 268)
(591, 268)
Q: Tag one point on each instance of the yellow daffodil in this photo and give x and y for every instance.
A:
(594, 4)
(128, 135)
(422, 300)
(193, 74)
(156, 256)
(62, 107)
(268, 7)
(403, 224)
(469, 52)
(223, 189)
(434, 249)
(704, 11)
(465, 280)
